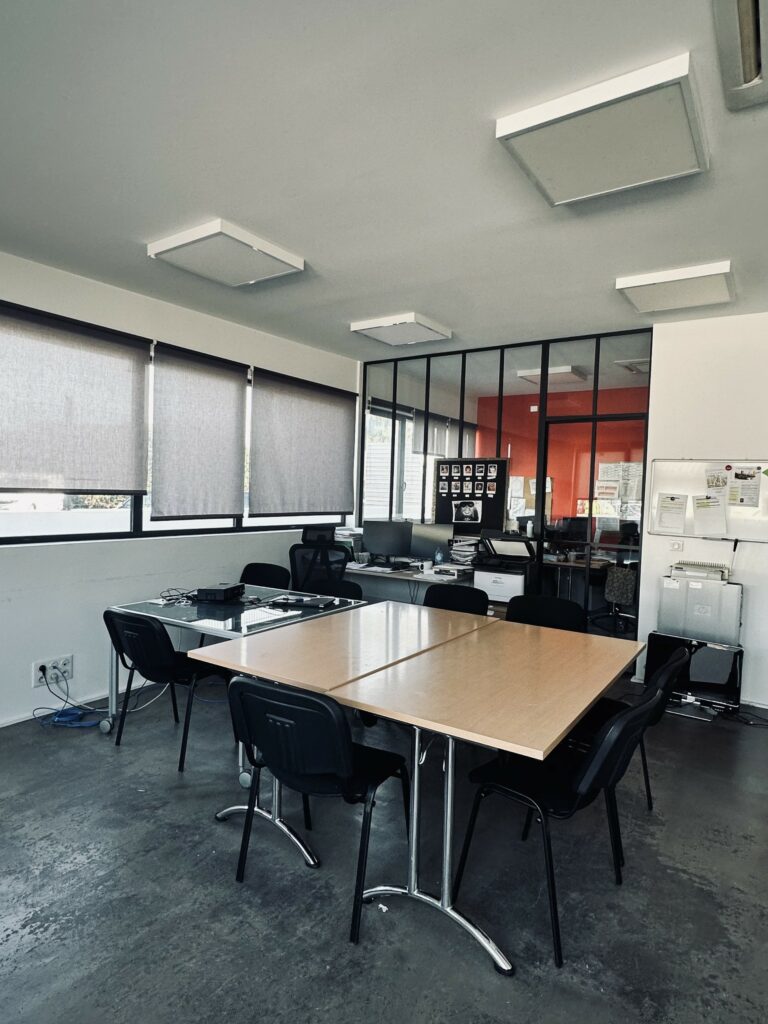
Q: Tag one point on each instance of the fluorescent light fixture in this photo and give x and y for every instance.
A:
(741, 29)
(226, 253)
(632, 130)
(560, 374)
(402, 329)
(706, 285)
(634, 365)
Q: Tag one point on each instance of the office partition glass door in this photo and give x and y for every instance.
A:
(593, 518)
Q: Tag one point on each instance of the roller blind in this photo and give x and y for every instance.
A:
(72, 408)
(302, 448)
(198, 436)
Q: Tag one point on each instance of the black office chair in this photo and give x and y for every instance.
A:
(143, 646)
(315, 564)
(554, 612)
(303, 738)
(564, 783)
(620, 586)
(663, 679)
(455, 598)
(341, 588)
(266, 574)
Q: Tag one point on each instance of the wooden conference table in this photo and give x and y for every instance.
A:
(499, 684)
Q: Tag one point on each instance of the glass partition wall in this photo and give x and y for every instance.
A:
(568, 416)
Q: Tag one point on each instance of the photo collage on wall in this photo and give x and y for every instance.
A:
(470, 493)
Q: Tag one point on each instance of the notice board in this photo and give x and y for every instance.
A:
(716, 499)
(471, 494)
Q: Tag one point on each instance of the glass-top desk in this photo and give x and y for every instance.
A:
(225, 620)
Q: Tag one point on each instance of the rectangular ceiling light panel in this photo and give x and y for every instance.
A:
(629, 131)
(706, 285)
(741, 28)
(226, 253)
(559, 374)
(401, 329)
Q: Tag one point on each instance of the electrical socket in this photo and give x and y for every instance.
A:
(65, 664)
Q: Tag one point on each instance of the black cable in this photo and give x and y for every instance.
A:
(176, 595)
(755, 720)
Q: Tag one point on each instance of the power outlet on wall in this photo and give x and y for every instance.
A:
(56, 670)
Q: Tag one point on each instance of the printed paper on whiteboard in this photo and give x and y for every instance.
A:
(744, 486)
(708, 515)
(670, 513)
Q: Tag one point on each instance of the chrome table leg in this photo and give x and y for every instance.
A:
(444, 902)
(274, 815)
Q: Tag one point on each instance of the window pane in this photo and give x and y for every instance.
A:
(481, 390)
(378, 441)
(302, 447)
(159, 525)
(35, 514)
(571, 378)
(411, 388)
(619, 456)
(568, 468)
(623, 383)
(520, 427)
(72, 408)
(184, 437)
(444, 396)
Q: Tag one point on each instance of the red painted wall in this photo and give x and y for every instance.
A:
(569, 443)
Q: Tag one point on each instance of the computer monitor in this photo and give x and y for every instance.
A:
(386, 539)
(428, 538)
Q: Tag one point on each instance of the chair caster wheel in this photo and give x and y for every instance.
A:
(312, 866)
(245, 778)
(368, 899)
(506, 971)
(105, 726)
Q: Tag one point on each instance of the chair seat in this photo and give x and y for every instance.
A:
(184, 667)
(601, 712)
(546, 782)
(371, 766)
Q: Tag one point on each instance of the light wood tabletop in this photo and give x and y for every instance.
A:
(514, 687)
(321, 654)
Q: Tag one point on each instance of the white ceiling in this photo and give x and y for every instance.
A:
(360, 134)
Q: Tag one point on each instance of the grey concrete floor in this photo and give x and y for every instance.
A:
(118, 901)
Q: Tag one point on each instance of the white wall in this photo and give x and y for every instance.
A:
(52, 595)
(709, 400)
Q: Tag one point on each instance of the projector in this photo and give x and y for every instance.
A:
(221, 592)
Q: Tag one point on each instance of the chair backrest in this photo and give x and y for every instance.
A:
(614, 745)
(455, 598)
(620, 583)
(266, 574)
(319, 534)
(317, 562)
(143, 643)
(340, 588)
(664, 679)
(555, 612)
(300, 735)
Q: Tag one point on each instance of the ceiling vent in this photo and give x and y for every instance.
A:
(556, 375)
(634, 366)
(740, 28)
(633, 130)
(706, 285)
(401, 329)
(225, 253)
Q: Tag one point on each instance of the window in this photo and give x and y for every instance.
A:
(302, 448)
(98, 441)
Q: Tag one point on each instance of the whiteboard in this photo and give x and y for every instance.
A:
(744, 496)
